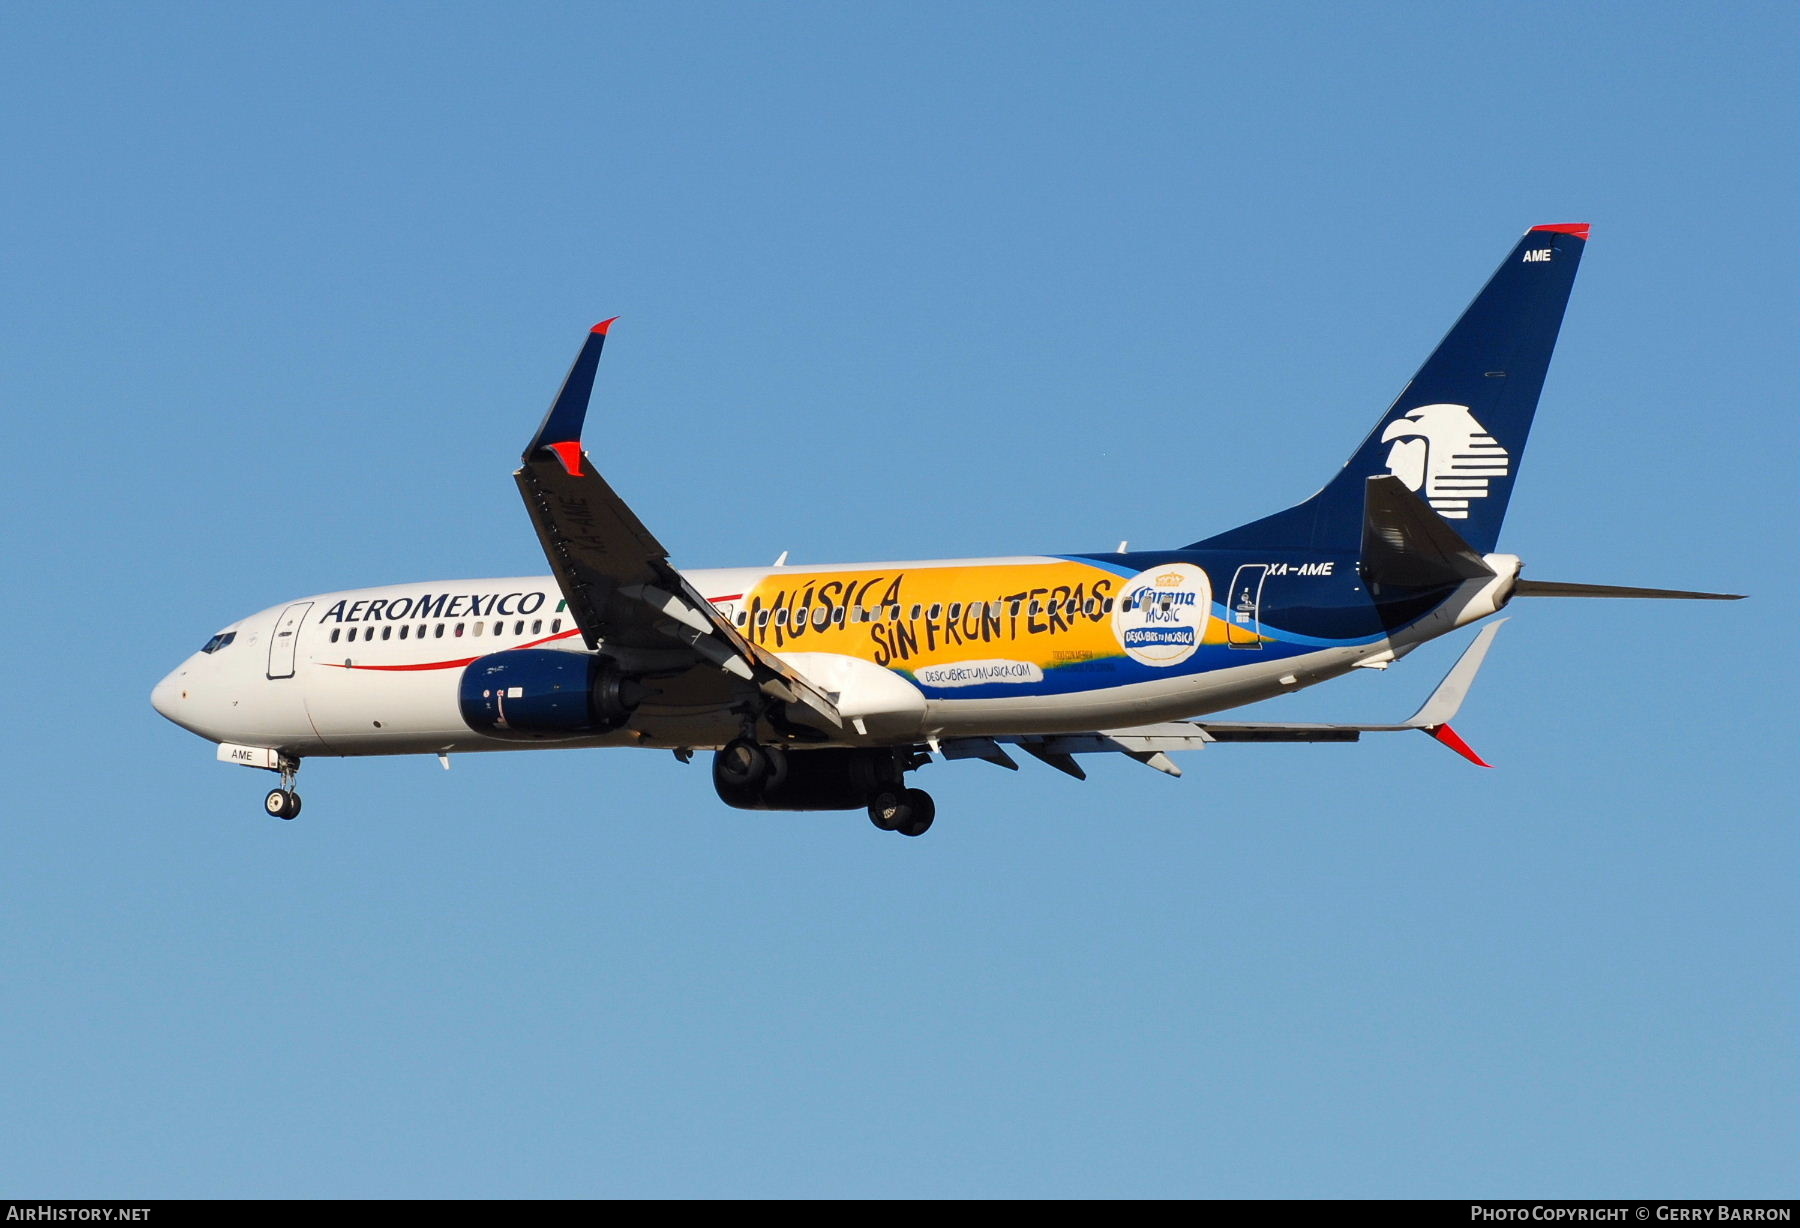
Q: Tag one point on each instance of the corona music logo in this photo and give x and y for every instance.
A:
(1161, 616)
(1442, 451)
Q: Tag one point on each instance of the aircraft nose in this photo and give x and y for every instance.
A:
(167, 698)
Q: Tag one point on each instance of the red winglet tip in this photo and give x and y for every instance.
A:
(1448, 737)
(569, 454)
(1578, 229)
(606, 324)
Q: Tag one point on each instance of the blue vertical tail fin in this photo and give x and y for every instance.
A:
(1457, 431)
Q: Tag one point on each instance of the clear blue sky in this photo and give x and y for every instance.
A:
(286, 288)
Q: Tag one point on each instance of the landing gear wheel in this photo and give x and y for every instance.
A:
(744, 766)
(919, 810)
(885, 810)
(282, 803)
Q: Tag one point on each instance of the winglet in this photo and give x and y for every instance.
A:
(1437, 711)
(569, 453)
(1448, 737)
(561, 428)
(1578, 229)
(1434, 716)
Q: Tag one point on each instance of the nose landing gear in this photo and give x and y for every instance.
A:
(284, 803)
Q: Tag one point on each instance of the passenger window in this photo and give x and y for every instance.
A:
(519, 627)
(916, 611)
(334, 639)
(437, 631)
(556, 624)
(955, 610)
(821, 616)
(387, 633)
(537, 626)
(742, 618)
(459, 630)
(936, 609)
(977, 609)
(1108, 607)
(478, 627)
(1036, 608)
(837, 616)
(762, 618)
(402, 630)
(1015, 608)
(781, 617)
(800, 616)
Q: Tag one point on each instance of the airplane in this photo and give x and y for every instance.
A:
(825, 687)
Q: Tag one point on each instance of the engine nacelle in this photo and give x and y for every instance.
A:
(539, 695)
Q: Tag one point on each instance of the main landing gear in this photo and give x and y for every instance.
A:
(284, 803)
(909, 811)
(753, 776)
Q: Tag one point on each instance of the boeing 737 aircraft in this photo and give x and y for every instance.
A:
(822, 688)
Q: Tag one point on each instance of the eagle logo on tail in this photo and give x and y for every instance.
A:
(1442, 452)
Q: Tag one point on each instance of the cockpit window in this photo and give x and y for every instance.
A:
(219, 641)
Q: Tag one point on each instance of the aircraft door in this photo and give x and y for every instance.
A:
(286, 639)
(1243, 607)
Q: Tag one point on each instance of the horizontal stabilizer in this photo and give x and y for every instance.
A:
(1407, 545)
(1551, 588)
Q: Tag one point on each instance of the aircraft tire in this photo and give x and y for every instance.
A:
(282, 803)
(886, 809)
(742, 767)
(920, 811)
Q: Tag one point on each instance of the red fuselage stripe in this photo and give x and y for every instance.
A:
(561, 635)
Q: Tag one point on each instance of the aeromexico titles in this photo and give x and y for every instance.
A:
(825, 687)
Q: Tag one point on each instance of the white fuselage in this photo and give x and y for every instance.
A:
(376, 671)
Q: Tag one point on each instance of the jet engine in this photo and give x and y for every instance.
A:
(540, 695)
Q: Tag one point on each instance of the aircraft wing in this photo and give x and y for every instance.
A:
(613, 571)
(1151, 744)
